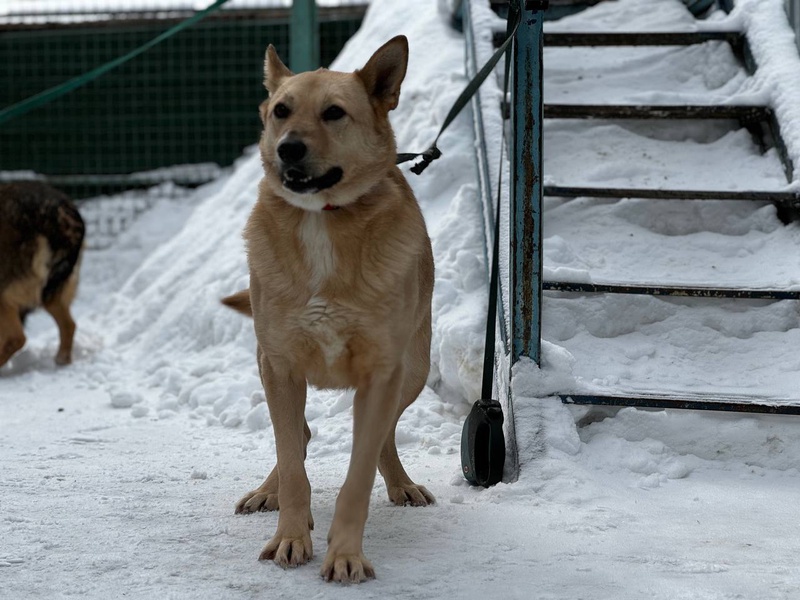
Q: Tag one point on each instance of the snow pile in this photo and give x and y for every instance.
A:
(190, 351)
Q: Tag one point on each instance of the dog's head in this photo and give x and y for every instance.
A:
(327, 138)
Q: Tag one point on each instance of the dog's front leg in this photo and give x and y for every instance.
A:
(286, 399)
(374, 406)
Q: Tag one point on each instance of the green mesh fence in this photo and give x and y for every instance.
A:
(192, 99)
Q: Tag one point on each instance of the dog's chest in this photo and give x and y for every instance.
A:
(318, 250)
(325, 326)
(323, 322)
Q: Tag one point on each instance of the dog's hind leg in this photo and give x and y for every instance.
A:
(402, 490)
(12, 336)
(265, 496)
(58, 307)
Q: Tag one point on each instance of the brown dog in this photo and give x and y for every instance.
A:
(341, 277)
(41, 237)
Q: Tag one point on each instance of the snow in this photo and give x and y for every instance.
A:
(120, 473)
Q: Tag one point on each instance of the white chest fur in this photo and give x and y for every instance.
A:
(319, 254)
(319, 319)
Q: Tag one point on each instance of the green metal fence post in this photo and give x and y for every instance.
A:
(304, 36)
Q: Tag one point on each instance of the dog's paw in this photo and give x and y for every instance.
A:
(288, 551)
(256, 501)
(63, 358)
(410, 495)
(10, 348)
(346, 568)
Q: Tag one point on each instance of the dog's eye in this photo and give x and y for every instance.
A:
(281, 111)
(333, 113)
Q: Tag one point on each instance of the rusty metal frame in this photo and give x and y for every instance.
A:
(526, 184)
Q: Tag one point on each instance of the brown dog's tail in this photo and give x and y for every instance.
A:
(240, 302)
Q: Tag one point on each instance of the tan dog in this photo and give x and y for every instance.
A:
(41, 237)
(341, 276)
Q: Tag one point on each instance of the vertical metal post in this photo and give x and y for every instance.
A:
(304, 36)
(793, 7)
(526, 184)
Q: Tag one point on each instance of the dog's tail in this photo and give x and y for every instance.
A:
(240, 302)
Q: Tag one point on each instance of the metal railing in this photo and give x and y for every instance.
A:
(793, 10)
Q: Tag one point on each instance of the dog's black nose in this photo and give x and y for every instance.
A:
(292, 151)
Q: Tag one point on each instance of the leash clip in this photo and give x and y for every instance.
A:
(430, 155)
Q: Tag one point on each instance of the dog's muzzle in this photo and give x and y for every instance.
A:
(297, 180)
(292, 153)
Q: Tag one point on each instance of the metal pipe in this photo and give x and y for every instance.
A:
(526, 183)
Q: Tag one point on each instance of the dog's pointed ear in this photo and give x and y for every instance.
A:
(274, 70)
(385, 71)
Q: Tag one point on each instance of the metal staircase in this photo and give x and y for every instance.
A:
(525, 315)
(759, 120)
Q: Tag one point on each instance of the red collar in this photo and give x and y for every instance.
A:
(330, 207)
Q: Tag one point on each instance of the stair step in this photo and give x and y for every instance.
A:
(741, 404)
(670, 290)
(608, 111)
(787, 198)
(644, 38)
(743, 113)
(654, 38)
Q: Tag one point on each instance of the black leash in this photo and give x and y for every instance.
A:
(433, 152)
(483, 444)
(483, 447)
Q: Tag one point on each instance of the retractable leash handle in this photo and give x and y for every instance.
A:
(483, 445)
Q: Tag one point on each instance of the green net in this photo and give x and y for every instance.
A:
(192, 99)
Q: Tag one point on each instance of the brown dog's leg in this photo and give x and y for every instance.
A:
(265, 496)
(402, 490)
(286, 398)
(376, 398)
(12, 336)
(58, 308)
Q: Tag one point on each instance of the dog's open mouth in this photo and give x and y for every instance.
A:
(299, 182)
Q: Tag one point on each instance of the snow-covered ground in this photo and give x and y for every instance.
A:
(118, 474)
